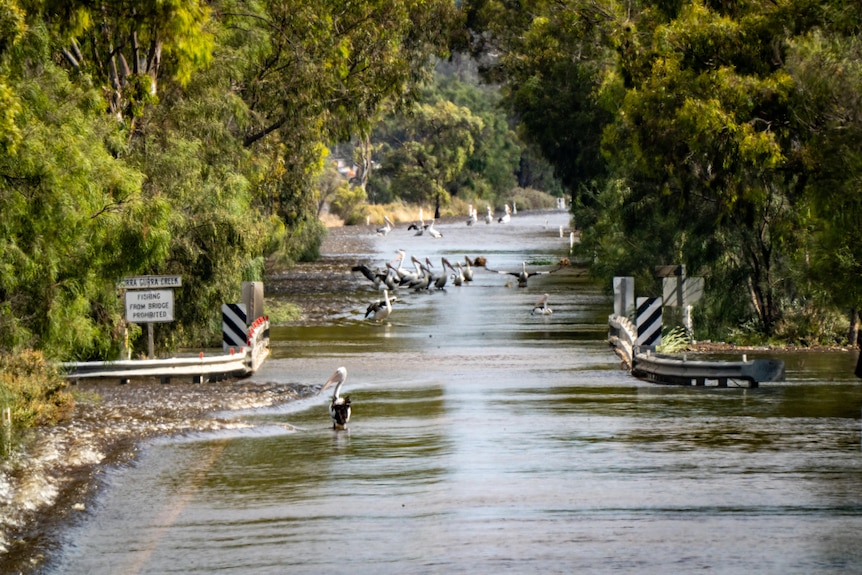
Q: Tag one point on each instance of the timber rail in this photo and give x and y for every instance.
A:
(235, 363)
(679, 369)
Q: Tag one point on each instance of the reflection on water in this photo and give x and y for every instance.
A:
(484, 439)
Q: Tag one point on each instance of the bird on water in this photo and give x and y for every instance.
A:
(339, 407)
(523, 275)
(541, 306)
(382, 308)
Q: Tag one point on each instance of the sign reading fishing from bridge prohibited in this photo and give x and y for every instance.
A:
(150, 306)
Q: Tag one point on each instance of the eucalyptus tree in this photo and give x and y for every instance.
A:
(71, 223)
(551, 60)
(436, 143)
(828, 71)
(323, 72)
(701, 156)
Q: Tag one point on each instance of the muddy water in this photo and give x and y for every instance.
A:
(486, 440)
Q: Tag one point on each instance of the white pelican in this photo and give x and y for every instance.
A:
(382, 308)
(541, 306)
(467, 271)
(524, 275)
(440, 281)
(386, 228)
(457, 275)
(472, 218)
(432, 231)
(504, 219)
(489, 217)
(339, 407)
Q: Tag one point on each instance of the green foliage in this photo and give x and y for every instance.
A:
(350, 204)
(484, 162)
(33, 389)
(675, 340)
(725, 133)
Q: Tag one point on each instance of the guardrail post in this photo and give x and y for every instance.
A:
(6, 432)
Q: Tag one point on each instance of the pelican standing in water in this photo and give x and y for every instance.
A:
(386, 228)
(382, 308)
(432, 231)
(489, 217)
(541, 306)
(468, 271)
(339, 407)
(472, 218)
(504, 219)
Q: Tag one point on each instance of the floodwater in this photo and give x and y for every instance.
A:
(486, 440)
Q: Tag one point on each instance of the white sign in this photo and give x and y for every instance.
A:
(150, 282)
(152, 306)
(692, 290)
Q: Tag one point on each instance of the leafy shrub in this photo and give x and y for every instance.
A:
(33, 389)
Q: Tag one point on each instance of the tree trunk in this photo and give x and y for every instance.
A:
(362, 159)
(853, 332)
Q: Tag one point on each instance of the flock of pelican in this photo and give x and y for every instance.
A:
(417, 275)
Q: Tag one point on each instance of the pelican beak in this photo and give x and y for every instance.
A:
(336, 377)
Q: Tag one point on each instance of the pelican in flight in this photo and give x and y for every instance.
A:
(382, 308)
(339, 407)
(541, 306)
(504, 219)
(524, 275)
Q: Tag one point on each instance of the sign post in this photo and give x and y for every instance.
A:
(146, 303)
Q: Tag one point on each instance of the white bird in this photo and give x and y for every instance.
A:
(457, 275)
(504, 219)
(541, 306)
(432, 231)
(489, 217)
(339, 407)
(472, 218)
(524, 275)
(382, 308)
(386, 228)
(467, 271)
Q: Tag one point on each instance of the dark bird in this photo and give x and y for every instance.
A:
(380, 309)
(376, 277)
(339, 407)
(524, 275)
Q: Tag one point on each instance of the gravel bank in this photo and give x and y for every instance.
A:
(48, 484)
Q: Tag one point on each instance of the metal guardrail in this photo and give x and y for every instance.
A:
(241, 363)
(684, 371)
(679, 369)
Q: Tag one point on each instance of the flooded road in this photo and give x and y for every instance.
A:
(485, 439)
